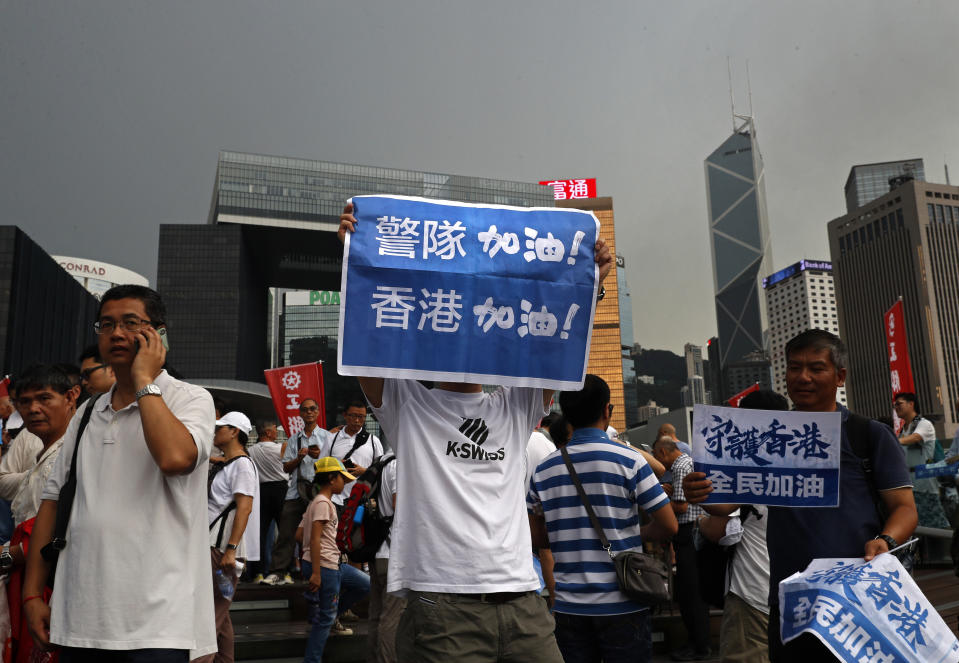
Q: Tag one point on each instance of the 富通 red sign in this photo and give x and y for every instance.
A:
(572, 189)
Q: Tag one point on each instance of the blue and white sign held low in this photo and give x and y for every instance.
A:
(865, 612)
(768, 456)
(449, 291)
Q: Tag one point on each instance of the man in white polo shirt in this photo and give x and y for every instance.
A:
(133, 580)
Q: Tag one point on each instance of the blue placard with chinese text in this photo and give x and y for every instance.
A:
(864, 612)
(939, 469)
(768, 456)
(447, 291)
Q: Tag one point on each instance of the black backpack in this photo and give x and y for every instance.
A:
(360, 536)
(712, 563)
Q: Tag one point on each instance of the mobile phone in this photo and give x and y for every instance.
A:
(314, 446)
(163, 338)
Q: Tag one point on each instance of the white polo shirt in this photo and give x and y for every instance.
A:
(136, 570)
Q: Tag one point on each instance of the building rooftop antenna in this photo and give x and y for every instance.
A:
(749, 90)
(946, 166)
(732, 105)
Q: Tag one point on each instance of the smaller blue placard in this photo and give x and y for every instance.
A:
(768, 456)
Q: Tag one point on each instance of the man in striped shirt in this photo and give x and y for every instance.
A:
(592, 614)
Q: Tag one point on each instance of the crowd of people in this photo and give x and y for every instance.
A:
(145, 504)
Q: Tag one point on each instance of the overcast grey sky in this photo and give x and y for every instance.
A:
(112, 113)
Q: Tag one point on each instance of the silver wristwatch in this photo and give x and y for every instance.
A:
(149, 390)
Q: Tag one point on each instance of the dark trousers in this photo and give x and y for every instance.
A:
(272, 496)
(285, 535)
(610, 639)
(805, 648)
(83, 655)
(692, 607)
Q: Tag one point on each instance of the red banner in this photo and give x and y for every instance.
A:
(900, 370)
(291, 385)
(5, 387)
(734, 401)
(572, 189)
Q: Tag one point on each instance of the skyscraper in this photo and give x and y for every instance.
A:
(740, 246)
(799, 297)
(902, 244)
(869, 181)
(626, 339)
(694, 360)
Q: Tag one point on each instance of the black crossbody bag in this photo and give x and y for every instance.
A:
(641, 577)
(51, 551)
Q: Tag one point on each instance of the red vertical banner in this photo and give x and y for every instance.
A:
(291, 385)
(900, 370)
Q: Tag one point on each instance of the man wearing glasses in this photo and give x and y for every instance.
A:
(133, 579)
(95, 375)
(302, 450)
(354, 446)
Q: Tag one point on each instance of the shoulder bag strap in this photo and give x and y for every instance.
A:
(69, 489)
(358, 441)
(589, 507)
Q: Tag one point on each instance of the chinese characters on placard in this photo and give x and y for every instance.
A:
(442, 309)
(754, 456)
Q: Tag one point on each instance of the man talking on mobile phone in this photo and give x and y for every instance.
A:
(132, 579)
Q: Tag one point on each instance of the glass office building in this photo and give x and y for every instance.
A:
(741, 250)
(873, 180)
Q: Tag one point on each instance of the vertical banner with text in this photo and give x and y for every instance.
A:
(289, 386)
(900, 370)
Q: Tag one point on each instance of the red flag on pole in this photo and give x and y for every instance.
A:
(900, 370)
(734, 401)
(5, 387)
(291, 385)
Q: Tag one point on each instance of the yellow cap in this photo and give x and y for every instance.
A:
(331, 464)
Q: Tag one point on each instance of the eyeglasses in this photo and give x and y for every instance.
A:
(130, 323)
(309, 408)
(87, 372)
(611, 406)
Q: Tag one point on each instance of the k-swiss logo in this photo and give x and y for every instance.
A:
(477, 431)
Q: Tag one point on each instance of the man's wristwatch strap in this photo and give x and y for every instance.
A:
(231, 546)
(148, 390)
(891, 542)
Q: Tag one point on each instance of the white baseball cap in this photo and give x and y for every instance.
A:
(237, 420)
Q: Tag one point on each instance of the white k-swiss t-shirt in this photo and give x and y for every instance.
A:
(238, 477)
(135, 573)
(387, 493)
(460, 524)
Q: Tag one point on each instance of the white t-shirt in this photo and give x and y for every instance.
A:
(135, 573)
(921, 452)
(749, 575)
(538, 448)
(387, 493)
(266, 457)
(237, 477)
(341, 444)
(461, 524)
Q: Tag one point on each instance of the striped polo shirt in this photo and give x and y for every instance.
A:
(617, 480)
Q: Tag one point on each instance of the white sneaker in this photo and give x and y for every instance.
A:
(271, 579)
(339, 629)
(285, 580)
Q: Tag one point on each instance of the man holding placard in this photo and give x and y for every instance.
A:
(461, 540)
(815, 369)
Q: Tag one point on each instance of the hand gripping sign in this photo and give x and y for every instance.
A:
(768, 456)
(440, 290)
(865, 612)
